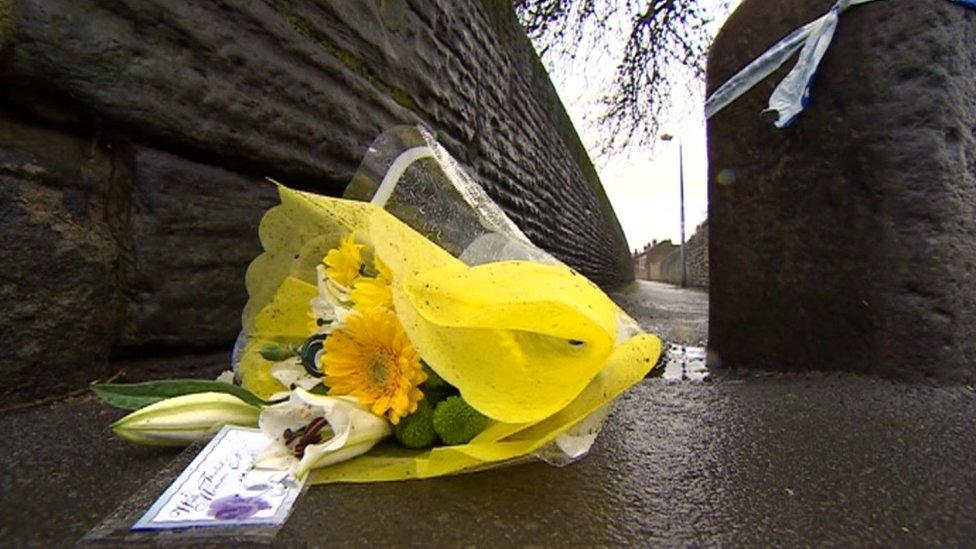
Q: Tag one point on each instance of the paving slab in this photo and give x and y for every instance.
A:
(743, 459)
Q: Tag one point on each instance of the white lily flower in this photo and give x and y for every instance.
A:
(181, 420)
(331, 304)
(291, 373)
(311, 431)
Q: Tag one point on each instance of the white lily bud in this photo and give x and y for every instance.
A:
(311, 431)
(182, 420)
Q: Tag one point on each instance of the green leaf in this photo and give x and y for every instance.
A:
(319, 389)
(132, 396)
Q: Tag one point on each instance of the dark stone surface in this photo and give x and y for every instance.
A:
(848, 241)
(64, 471)
(298, 90)
(193, 232)
(56, 490)
(59, 304)
(109, 250)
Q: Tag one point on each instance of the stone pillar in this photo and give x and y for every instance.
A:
(848, 241)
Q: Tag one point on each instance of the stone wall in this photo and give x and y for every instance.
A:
(696, 259)
(848, 240)
(135, 137)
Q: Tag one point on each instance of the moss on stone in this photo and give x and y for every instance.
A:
(6, 22)
(346, 57)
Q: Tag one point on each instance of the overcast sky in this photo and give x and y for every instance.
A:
(642, 183)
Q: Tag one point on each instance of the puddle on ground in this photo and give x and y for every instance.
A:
(684, 363)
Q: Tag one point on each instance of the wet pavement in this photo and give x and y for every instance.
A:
(740, 459)
(677, 315)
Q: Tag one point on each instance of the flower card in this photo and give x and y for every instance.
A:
(221, 487)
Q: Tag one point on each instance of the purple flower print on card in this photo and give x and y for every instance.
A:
(236, 508)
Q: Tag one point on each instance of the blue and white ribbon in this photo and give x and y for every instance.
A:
(793, 93)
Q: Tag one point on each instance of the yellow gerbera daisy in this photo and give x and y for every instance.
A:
(371, 359)
(371, 292)
(343, 264)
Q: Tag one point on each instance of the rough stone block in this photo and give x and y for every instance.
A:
(848, 241)
(109, 251)
(298, 90)
(58, 251)
(194, 232)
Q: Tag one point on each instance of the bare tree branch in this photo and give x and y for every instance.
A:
(666, 41)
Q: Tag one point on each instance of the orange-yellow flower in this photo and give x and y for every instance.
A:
(344, 264)
(370, 292)
(371, 359)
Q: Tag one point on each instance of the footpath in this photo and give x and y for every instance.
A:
(745, 458)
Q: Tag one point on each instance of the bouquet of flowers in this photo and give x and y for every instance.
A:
(407, 330)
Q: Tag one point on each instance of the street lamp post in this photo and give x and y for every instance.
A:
(681, 187)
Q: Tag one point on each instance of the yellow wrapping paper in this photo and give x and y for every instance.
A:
(534, 347)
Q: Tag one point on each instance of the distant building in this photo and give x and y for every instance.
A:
(647, 262)
(661, 261)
